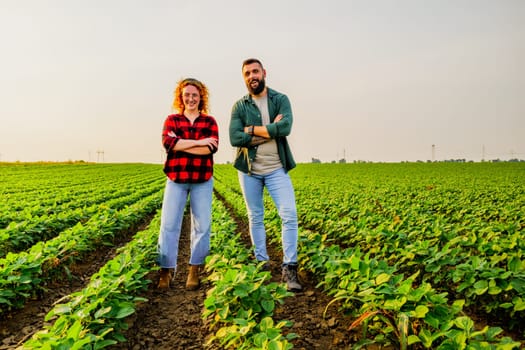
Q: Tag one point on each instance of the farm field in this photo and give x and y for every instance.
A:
(393, 256)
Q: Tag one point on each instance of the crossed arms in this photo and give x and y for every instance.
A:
(199, 147)
(260, 133)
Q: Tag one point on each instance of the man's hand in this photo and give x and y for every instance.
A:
(250, 129)
(257, 140)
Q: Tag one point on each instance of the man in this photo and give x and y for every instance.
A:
(259, 124)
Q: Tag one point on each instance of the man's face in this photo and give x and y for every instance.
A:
(254, 76)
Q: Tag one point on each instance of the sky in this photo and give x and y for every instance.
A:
(369, 80)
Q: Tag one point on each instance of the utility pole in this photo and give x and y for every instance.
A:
(100, 152)
(433, 153)
(483, 153)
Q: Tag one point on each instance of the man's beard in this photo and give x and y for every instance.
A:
(260, 87)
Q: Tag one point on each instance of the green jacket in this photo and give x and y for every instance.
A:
(245, 112)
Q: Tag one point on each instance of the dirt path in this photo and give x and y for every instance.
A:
(304, 309)
(172, 319)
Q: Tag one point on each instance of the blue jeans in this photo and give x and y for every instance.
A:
(279, 186)
(174, 202)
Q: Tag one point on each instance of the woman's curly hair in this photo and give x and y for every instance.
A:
(178, 103)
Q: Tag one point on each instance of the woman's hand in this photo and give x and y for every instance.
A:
(208, 142)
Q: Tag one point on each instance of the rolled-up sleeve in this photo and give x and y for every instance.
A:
(284, 126)
(238, 138)
(169, 141)
(214, 134)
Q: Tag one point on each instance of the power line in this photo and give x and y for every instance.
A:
(100, 152)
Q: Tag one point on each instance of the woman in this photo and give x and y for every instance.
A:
(190, 138)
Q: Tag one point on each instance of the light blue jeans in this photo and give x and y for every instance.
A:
(279, 186)
(174, 202)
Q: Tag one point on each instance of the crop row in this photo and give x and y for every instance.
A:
(95, 316)
(238, 308)
(61, 188)
(21, 235)
(22, 274)
(464, 246)
(60, 200)
(390, 273)
(441, 224)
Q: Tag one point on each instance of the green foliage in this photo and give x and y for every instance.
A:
(456, 231)
(22, 274)
(95, 316)
(240, 305)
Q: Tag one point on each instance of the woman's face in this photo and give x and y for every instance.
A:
(191, 98)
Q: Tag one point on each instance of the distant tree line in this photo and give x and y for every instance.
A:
(459, 160)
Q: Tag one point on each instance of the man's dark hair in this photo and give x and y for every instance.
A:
(250, 61)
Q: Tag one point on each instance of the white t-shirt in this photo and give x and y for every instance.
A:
(267, 157)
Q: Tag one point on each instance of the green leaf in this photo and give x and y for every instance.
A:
(494, 290)
(209, 302)
(240, 291)
(259, 339)
(125, 312)
(426, 338)
(464, 323)
(266, 323)
(5, 301)
(506, 305)
(493, 332)
(412, 339)
(421, 311)
(395, 304)
(268, 305)
(366, 292)
(60, 324)
(519, 285)
(275, 345)
(481, 287)
(61, 310)
(74, 330)
(79, 343)
(432, 321)
(382, 278)
(224, 312)
(519, 304)
(515, 264)
(104, 343)
(355, 262)
(102, 312)
(405, 287)
(7, 293)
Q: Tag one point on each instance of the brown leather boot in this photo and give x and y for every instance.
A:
(164, 280)
(192, 282)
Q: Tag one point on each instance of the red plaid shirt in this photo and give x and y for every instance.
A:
(182, 166)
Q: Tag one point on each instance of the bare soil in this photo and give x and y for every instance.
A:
(19, 325)
(171, 319)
